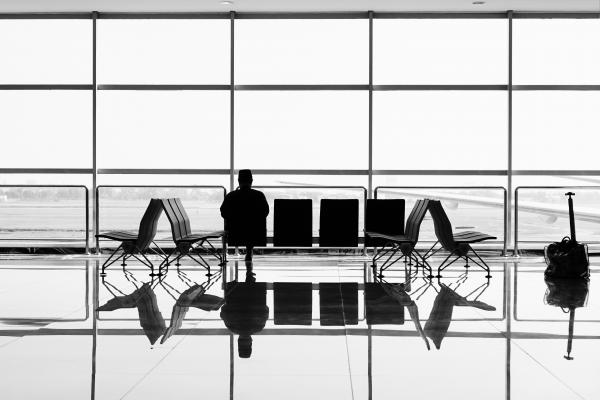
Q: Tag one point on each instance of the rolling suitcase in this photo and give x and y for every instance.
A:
(567, 258)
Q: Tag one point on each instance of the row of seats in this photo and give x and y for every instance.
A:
(338, 221)
(292, 228)
(384, 227)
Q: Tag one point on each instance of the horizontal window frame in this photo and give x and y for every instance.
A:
(355, 172)
(304, 15)
(301, 87)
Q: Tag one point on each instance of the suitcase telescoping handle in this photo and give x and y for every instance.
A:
(571, 216)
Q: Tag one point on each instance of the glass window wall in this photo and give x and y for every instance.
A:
(325, 128)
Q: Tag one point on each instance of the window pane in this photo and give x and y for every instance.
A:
(164, 179)
(440, 130)
(440, 51)
(163, 51)
(46, 129)
(556, 51)
(166, 129)
(556, 130)
(46, 179)
(46, 51)
(543, 215)
(302, 51)
(439, 180)
(301, 130)
(35, 214)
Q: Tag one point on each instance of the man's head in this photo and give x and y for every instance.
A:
(245, 178)
(244, 346)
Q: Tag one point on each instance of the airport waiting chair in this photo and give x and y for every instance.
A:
(338, 223)
(188, 244)
(136, 245)
(403, 244)
(383, 216)
(292, 223)
(458, 245)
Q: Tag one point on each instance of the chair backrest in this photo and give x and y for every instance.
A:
(383, 216)
(292, 223)
(149, 224)
(184, 218)
(442, 225)
(177, 226)
(413, 222)
(338, 223)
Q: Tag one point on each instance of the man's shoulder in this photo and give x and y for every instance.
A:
(257, 192)
(252, 193)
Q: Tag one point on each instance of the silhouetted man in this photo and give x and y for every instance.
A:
(245, 311)
(245, 212)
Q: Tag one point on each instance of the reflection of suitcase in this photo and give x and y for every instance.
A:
(567, 258)
(567, 294)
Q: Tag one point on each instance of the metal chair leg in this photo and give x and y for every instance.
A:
(443, 265)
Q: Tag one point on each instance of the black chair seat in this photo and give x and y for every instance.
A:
(389, 238)
(196, 237)
(472, 237)
(118, 235)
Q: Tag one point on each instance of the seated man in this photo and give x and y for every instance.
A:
(245, 212)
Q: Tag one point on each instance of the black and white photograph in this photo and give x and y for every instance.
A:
(299, 199)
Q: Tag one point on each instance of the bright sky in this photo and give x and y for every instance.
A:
(301, 130)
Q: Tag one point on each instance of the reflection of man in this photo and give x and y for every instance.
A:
(245, 211)
(245, 311)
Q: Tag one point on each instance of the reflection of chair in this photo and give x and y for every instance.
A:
(133, 245)
(195, 296)
(405, 244)
(338, 303)
(144, 299)
(292, 303)
(187, 243)
(380, 307)
(398, 293)
(458, 245)
(440, 317)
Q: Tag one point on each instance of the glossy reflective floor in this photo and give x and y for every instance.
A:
(296, 328)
